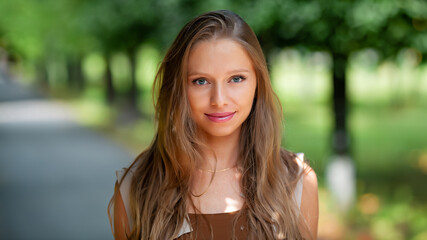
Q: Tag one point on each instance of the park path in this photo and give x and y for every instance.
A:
(56, 177)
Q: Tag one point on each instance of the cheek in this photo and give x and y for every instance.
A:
(194, 101)
(246, 97)
(249, 101)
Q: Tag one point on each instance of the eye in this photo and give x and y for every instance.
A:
(237, 79)
(200, 81)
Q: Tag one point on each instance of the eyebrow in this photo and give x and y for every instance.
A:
(228, 73)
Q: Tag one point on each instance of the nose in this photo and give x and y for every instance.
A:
(218, 96)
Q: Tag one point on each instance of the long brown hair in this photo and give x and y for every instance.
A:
(160, 190)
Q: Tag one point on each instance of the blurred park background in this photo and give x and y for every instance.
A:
(351, 75)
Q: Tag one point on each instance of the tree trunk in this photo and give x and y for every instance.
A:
(341, 142)
(75, 74)
(133, 91)
(42, 75)
(340, 171)
(109, 87)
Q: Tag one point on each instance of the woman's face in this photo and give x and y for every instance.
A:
(221, 86)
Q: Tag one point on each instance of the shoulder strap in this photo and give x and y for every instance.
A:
(299, 186)
(124, 190)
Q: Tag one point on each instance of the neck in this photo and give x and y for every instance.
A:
(225, 149)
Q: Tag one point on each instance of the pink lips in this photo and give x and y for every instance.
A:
(220, 117)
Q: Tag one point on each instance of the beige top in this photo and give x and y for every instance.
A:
(217, 219)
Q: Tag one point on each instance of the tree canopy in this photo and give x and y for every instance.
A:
(32, 29)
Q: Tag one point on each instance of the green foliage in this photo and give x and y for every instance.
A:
(148, 62)
(120, 68)
(34, 29)
(94, 68)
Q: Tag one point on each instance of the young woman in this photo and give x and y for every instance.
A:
(215, 169)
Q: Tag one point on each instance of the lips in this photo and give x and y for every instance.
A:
(220, 117)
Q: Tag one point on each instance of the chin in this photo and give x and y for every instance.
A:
(219, 134)
(211, 132)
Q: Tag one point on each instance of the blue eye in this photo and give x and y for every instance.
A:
(237, 79)
(200, 81)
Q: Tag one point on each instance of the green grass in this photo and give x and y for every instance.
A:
(307, 129)
(387, 144)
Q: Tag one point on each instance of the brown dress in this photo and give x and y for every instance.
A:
(221, 225)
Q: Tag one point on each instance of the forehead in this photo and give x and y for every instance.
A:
(218, 56)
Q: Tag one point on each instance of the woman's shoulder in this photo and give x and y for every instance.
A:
(299, 171)
(299, 161)
(294, 162)
(308, 176)
(125, 175)
(119, 206)
(124, 180)
(309, 201)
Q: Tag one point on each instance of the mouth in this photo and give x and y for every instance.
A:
(220, 117)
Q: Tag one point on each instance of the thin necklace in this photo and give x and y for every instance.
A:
(217, 171)
(210, 182)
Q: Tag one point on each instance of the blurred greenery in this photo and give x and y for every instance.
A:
(101, 56)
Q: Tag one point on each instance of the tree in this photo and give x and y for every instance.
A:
(341, 28)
